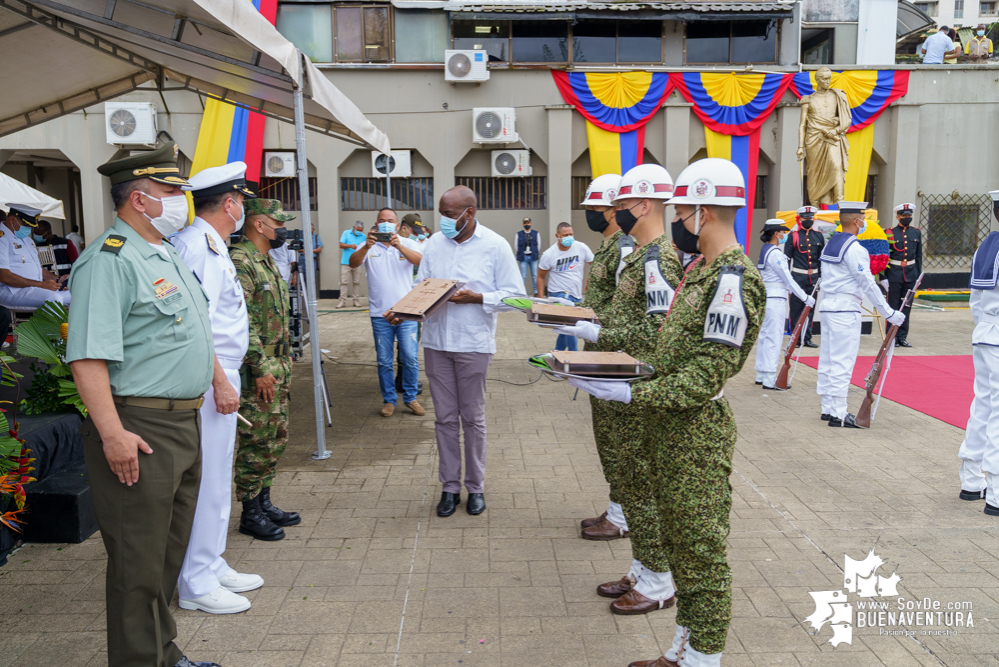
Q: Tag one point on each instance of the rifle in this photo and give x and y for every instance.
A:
(792, 344)
(881, 366)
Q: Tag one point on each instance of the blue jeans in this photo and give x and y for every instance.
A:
(530, 265)
(564, 342)
(385, 335)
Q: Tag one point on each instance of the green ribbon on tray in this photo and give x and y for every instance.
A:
(540, 361)
(520, 303)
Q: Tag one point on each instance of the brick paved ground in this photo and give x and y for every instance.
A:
(374, 577)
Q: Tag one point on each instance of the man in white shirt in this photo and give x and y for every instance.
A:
(284, 257)
(561, 271)
(389, 266)
(459, 340)
(75, 237)
(206, 582)
(24, 285)
(937, 47)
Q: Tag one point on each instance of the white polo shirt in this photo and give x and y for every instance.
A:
(390, 275)
(19, 256)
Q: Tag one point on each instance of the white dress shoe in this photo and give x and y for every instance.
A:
(236, 582)
(219, 601)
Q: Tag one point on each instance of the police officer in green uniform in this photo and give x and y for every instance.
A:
(708, 334)
(140, 347)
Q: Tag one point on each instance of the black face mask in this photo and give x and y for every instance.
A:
(684, 239)
(905, 221)
(625, 219)
(280, 236)
(596, 221)
(527, 228)
(806, 223)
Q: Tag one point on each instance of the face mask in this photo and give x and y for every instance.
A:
(386, 228)
(980, 33)
(23, 232)
(905, 221)
(421, 236)
(38, 239)
(280, 235)
(174, 215)
(684, 239)
(625, 219)
(449, 226)
(567, 241)
(782, 240)
(596, 221)
(862, 229)
(527, 228)
(242, 218)
(806, 223)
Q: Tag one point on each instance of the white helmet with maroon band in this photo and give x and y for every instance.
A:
(712, 180)
(646, 181)
(602, 190)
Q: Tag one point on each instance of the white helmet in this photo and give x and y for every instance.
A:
(712, 180)
(602, 190)
(646, 181)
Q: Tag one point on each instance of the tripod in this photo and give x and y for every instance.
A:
(300, 338)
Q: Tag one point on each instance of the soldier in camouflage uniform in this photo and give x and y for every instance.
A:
(266, 371)
(630, 323)
(711, 327)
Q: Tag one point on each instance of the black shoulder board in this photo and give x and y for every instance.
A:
(113, 243)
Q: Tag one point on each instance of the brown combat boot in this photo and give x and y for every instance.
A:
(615, 589)
(634, 603)
(604, 532)
(586, 523)
(661, 661)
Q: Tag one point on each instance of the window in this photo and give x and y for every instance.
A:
(422, 36)
(871, 191)
(734, 42)
(540, 41)
(310, 28)
(362, 33)
(959, 9)
(507, 194)
(493, 37)
(760, 198)
(368, 194)
(286, 191)
(817, 46)
(987, 9)
(579, 185)
(928, 8)
(617, 41)
(338, 33)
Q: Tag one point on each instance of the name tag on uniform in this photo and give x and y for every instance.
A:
(266, 287)
(726, 322)
(166, 291)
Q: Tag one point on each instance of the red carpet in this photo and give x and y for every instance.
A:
(941, 387)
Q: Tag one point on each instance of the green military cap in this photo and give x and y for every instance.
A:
(159, 165)
(413, 220)
(269, 207)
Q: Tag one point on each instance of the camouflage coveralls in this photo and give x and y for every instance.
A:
(693, 439)
(599, 290)
(627, 327)
(260, 446)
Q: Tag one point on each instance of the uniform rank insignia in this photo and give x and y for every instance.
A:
(211, 243)
(727, 319)
(164, 289)
(658, 292)
(113, 243)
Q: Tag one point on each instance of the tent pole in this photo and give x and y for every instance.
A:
(312, 313)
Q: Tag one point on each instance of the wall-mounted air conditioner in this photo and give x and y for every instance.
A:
(467, 65)
(494, 125)
(398, 165)
(511, 163)
(130, 123)
(279, 164)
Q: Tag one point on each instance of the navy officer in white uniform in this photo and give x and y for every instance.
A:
(846, 279)
(206, 581)
(24, 285)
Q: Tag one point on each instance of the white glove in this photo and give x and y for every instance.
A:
(896, 318)
(884, 283)
(588, 331)
(809, 301)
(605, 391)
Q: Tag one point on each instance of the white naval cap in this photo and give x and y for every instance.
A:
(995, 196)
(219, 180)
(26, 214)
(852, 206)
(807, 210)
(908, 208)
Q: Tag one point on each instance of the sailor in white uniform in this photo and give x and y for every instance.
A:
(24, 285)
(846, 279)
(979, 452)
(777, 279)
(206, 581)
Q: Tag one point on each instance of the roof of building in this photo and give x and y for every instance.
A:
(532, 6)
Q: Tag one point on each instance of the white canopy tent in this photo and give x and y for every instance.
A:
(13, 191)
(61, 56)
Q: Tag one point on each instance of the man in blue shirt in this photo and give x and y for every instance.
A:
(525, 245)
(351, 240)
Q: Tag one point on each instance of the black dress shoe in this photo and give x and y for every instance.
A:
(972, 495)
(476, 504)
(185, 662)
(255, 523)
(847, 422)
(278, 516)
(991, 510)
(448, 504)
(903, 343)
(759, 383)
(824, 417)
(809, 343)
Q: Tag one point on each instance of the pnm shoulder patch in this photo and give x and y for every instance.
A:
(113, 243)
(727, 321)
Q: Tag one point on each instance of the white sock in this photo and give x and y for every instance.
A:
(693, 658)
(672, 651)
(615, 514)
(655, 585)
(636, 570)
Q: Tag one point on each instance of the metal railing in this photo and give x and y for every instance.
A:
(953, 227)
(507, 194)
(285, 190)
(368, 194)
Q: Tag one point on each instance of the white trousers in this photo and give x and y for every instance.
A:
(837, 356)
(203, 563)
(29, 298)
(768, 344)
(979, 452)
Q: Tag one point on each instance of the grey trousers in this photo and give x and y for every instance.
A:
(458, 387)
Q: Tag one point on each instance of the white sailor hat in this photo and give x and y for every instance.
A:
(905, 208)
(774, 225)
(26, 214)
(219, 180)
(807, 210)
(995, 197)
(852, 206)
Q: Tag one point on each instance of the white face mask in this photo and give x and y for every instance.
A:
(173, 217)
(242, 217)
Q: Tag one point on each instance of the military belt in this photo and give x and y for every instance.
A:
(279, 350)
(160, 403)
(805, 271)
(901, 262)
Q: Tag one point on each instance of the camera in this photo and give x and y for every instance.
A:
(295, 240)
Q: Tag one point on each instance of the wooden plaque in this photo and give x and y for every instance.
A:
(553, 313)
(425, 299)
(608, 364)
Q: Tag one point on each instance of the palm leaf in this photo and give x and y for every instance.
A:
(40, 336)
(71, 396)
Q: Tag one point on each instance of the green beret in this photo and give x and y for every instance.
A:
(269, 207)
(159, 165)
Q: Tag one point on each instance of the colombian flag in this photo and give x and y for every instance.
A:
(616, 107)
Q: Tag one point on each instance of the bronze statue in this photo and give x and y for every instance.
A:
(825, 118)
